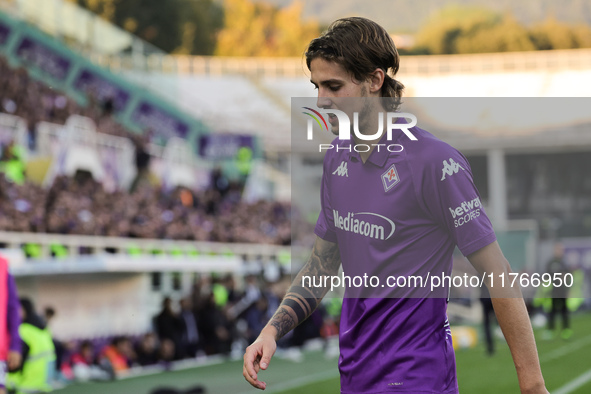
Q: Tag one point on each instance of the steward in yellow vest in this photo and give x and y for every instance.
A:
(38, 367)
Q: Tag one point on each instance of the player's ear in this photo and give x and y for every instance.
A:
(376, 80)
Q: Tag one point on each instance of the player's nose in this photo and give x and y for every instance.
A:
(323, 102)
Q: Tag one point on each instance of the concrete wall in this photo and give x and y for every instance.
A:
(104, 304)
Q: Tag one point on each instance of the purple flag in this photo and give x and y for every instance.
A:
(162, 123)
(4, 33)
(88, 82)
(44, 58)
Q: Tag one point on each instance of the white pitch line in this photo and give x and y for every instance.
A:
(574, 384)
(564, 350)
(291, 384)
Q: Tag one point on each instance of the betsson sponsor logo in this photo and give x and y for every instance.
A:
(468, 210)
(353, 224)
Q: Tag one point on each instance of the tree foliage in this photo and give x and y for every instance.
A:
(261, 29)
(176, 26)
(552, 34)
(456, 29)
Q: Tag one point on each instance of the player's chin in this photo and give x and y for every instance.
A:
(334, 130)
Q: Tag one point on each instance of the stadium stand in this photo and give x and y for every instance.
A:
(85, 208)
(72, 207)
(67, 211)
(34, 101)
(208, 98)
(156, 221)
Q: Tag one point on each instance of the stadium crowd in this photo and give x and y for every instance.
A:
(216, 318)
(80, 205)
(34, 101)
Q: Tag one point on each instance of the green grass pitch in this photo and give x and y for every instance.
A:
(566, 366)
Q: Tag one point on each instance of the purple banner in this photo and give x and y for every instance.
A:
(577, 254)
(90, 83)
(44, 58)
(160, 122)
(223, 146)
(4, 33)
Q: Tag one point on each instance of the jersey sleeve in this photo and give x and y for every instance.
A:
(325, 228)
(13, 317)
(451, 198)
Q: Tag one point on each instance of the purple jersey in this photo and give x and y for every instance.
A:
(13, 318)
(399, 214)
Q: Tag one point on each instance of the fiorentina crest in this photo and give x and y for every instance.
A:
(390, 178)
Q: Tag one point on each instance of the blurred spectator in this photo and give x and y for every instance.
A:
(119, 354)
(189, 343)
(142, 162)
(49, 314)
(215, 327)
(252, 307)
(12, 163)
(168, 325)
(556, 266)
(252, 293)
(230, 284)
(309, 328)
(167, 351)
(37, 369)
(84, 365)
(329, 328)
(256, 317)
(219, 182)
(106, 123)
(147, 350)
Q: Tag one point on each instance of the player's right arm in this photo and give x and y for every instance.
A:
(299, 303)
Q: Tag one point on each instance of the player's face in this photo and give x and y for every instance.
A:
(335, 83)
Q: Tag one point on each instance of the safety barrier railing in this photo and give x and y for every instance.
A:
(44, 246)
(431, 65)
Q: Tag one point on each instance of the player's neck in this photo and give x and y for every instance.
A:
(370, 127)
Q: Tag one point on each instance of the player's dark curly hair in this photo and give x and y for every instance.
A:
(360, 46)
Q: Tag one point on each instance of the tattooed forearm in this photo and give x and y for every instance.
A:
(325, 260)
(283, 322)
(300, 301)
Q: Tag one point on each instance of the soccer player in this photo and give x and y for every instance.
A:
(426, 195)
(10, 341)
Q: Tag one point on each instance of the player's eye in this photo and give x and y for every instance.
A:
(334, 88)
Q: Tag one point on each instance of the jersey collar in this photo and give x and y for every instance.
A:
(376, 158)
(379, 158)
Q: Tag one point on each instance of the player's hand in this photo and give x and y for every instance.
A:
(14, 360)
(258, 356)
(539, 388)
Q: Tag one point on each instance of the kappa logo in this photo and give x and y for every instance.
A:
(341, 170)
(390, 178)
(450, 168)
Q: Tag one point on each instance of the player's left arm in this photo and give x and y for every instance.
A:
(512, 317)
(13, 321)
